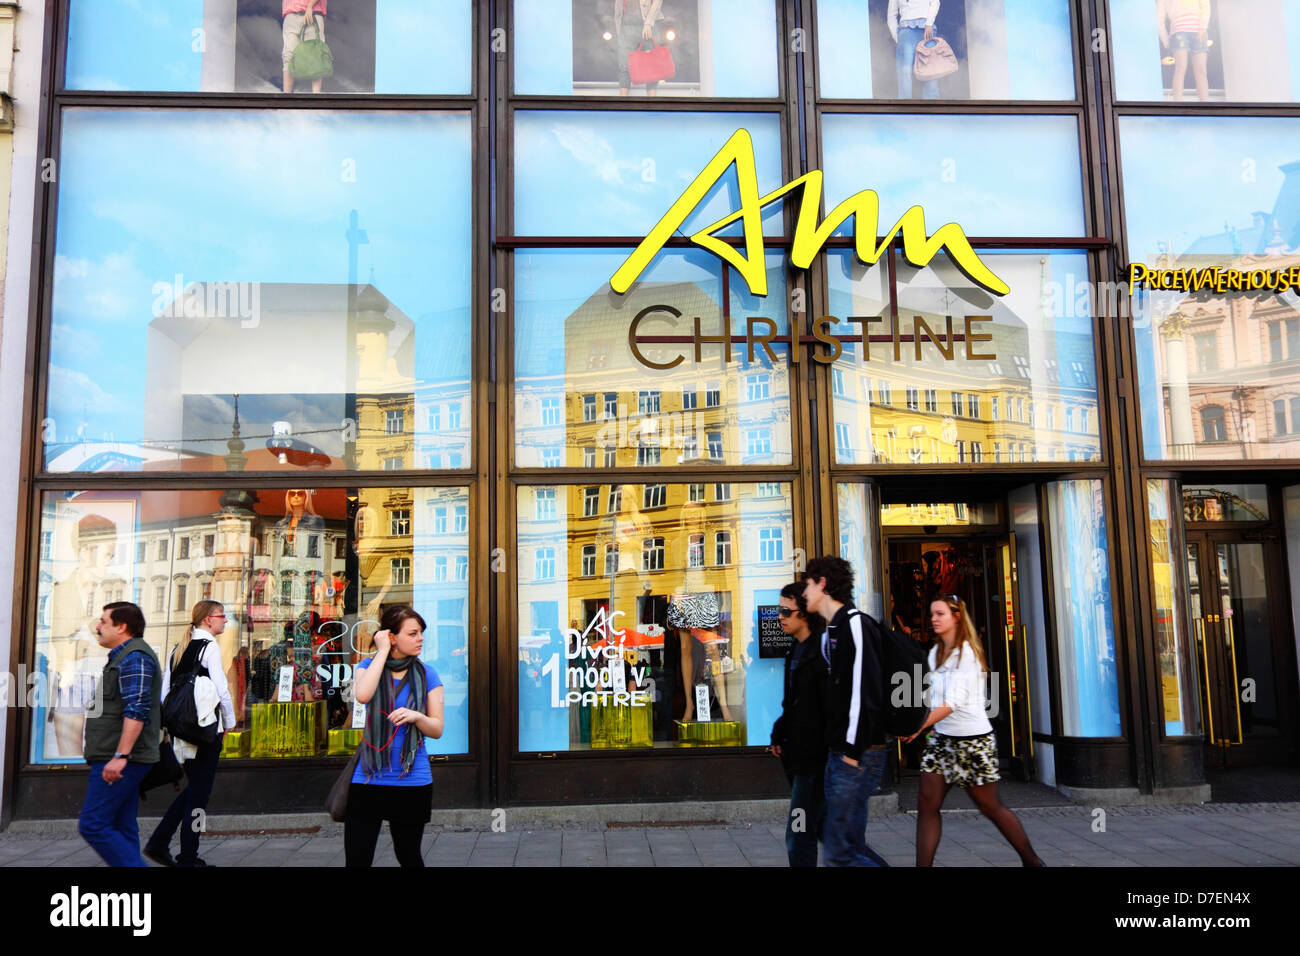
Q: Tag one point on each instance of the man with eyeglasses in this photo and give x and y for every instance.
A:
(855, 711)
(799, 734)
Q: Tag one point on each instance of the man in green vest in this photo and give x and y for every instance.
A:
(122, 739)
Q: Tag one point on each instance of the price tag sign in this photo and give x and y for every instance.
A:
(702, 703)
(618, 676)
(284, 693)
(358, 715)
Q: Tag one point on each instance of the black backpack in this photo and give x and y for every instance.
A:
(903, 664)
(180, 716)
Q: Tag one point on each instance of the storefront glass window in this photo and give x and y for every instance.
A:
(573, 352)
(268, 292)
(1233, 51)
(297, 622)
(859, 535)
(1217, 371)
(616, 174)
(1023, 512)
(955, 168)
(963, 376)
(247, 46)
(659, 649)
(1010, 50)
(1178, 664)
(1085, 636)
(687, 48)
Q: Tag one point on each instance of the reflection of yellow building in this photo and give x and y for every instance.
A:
(1034, 398)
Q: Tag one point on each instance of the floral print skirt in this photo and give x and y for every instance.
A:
(963, 761)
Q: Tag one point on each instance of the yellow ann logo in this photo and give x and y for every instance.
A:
(809, 235)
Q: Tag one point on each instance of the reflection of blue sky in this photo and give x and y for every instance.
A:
(247, 197)
(149, 45)
(616, 174)
(1226, 168)
(1037, 37)
(743, 47)
(1135, 50)
(993, 175)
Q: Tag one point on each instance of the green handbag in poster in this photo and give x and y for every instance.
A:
(312, 59)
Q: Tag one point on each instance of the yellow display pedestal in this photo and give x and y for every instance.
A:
(620, 726)
(236, 743)
(343, 741)
(297, 729)
(714, 733)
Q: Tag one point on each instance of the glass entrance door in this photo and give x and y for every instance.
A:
(1229, 583)
(981, 571)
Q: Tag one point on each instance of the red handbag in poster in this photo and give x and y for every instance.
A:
(650, 66)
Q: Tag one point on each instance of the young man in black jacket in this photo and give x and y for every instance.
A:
(855, 715)
(799, 734)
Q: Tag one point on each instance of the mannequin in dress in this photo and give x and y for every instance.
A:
(694, 611)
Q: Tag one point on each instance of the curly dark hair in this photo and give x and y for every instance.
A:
(794, 591)
(838, 574)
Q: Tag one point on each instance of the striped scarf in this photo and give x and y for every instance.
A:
(380, 732)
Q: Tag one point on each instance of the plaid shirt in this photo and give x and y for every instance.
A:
(135, 676)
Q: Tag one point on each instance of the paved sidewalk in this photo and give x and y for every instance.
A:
(1255, 834)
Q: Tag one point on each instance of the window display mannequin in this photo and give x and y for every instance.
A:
(1184, 28)
(694, 609)
(911, 23)
(298, 515)
(634, 22)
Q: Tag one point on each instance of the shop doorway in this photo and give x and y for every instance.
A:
(978, 564)
(1241, 625)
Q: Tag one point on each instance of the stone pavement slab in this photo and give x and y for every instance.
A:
(1248, 834)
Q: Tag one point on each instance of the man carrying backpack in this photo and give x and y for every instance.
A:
(855, 711)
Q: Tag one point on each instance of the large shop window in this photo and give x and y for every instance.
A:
(249, 46)
(1219, 372)
(304, 575)
(261, 291)
(1235, 51)
(859, 543)
(1085, 630)
(667, 640)
(646, 47)
(1179, 694)
(583, 173)
(582, 394)
(1005, 50)
(962, 376)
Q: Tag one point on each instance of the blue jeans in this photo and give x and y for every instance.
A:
(200, 772)
(807, 808)
(905, 59)
(108, 821)
(848, 788)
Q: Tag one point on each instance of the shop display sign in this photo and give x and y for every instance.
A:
(772, 640)
(1214, 279)
(593, 671)
(919, 247)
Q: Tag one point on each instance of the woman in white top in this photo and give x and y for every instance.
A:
(962, 750)
(208, 620)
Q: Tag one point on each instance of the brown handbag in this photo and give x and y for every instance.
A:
(934, 59)
(337, 802)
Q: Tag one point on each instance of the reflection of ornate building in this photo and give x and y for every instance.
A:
(1035, 399)
(589, 411)
(1229, 365)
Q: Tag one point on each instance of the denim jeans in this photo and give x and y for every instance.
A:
(803, 827)
(905, 60)
(108, 821)
(200, 772)
(848, 788)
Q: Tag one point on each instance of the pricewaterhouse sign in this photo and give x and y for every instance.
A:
(809, 235)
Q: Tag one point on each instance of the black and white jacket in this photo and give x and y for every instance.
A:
(855, 692)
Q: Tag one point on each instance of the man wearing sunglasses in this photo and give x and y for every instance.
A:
(799, 734)
(855, 711)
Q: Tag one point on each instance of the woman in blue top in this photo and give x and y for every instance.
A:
(404, 699)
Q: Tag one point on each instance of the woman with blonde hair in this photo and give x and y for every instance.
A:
(197, 649)
(962, 750)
